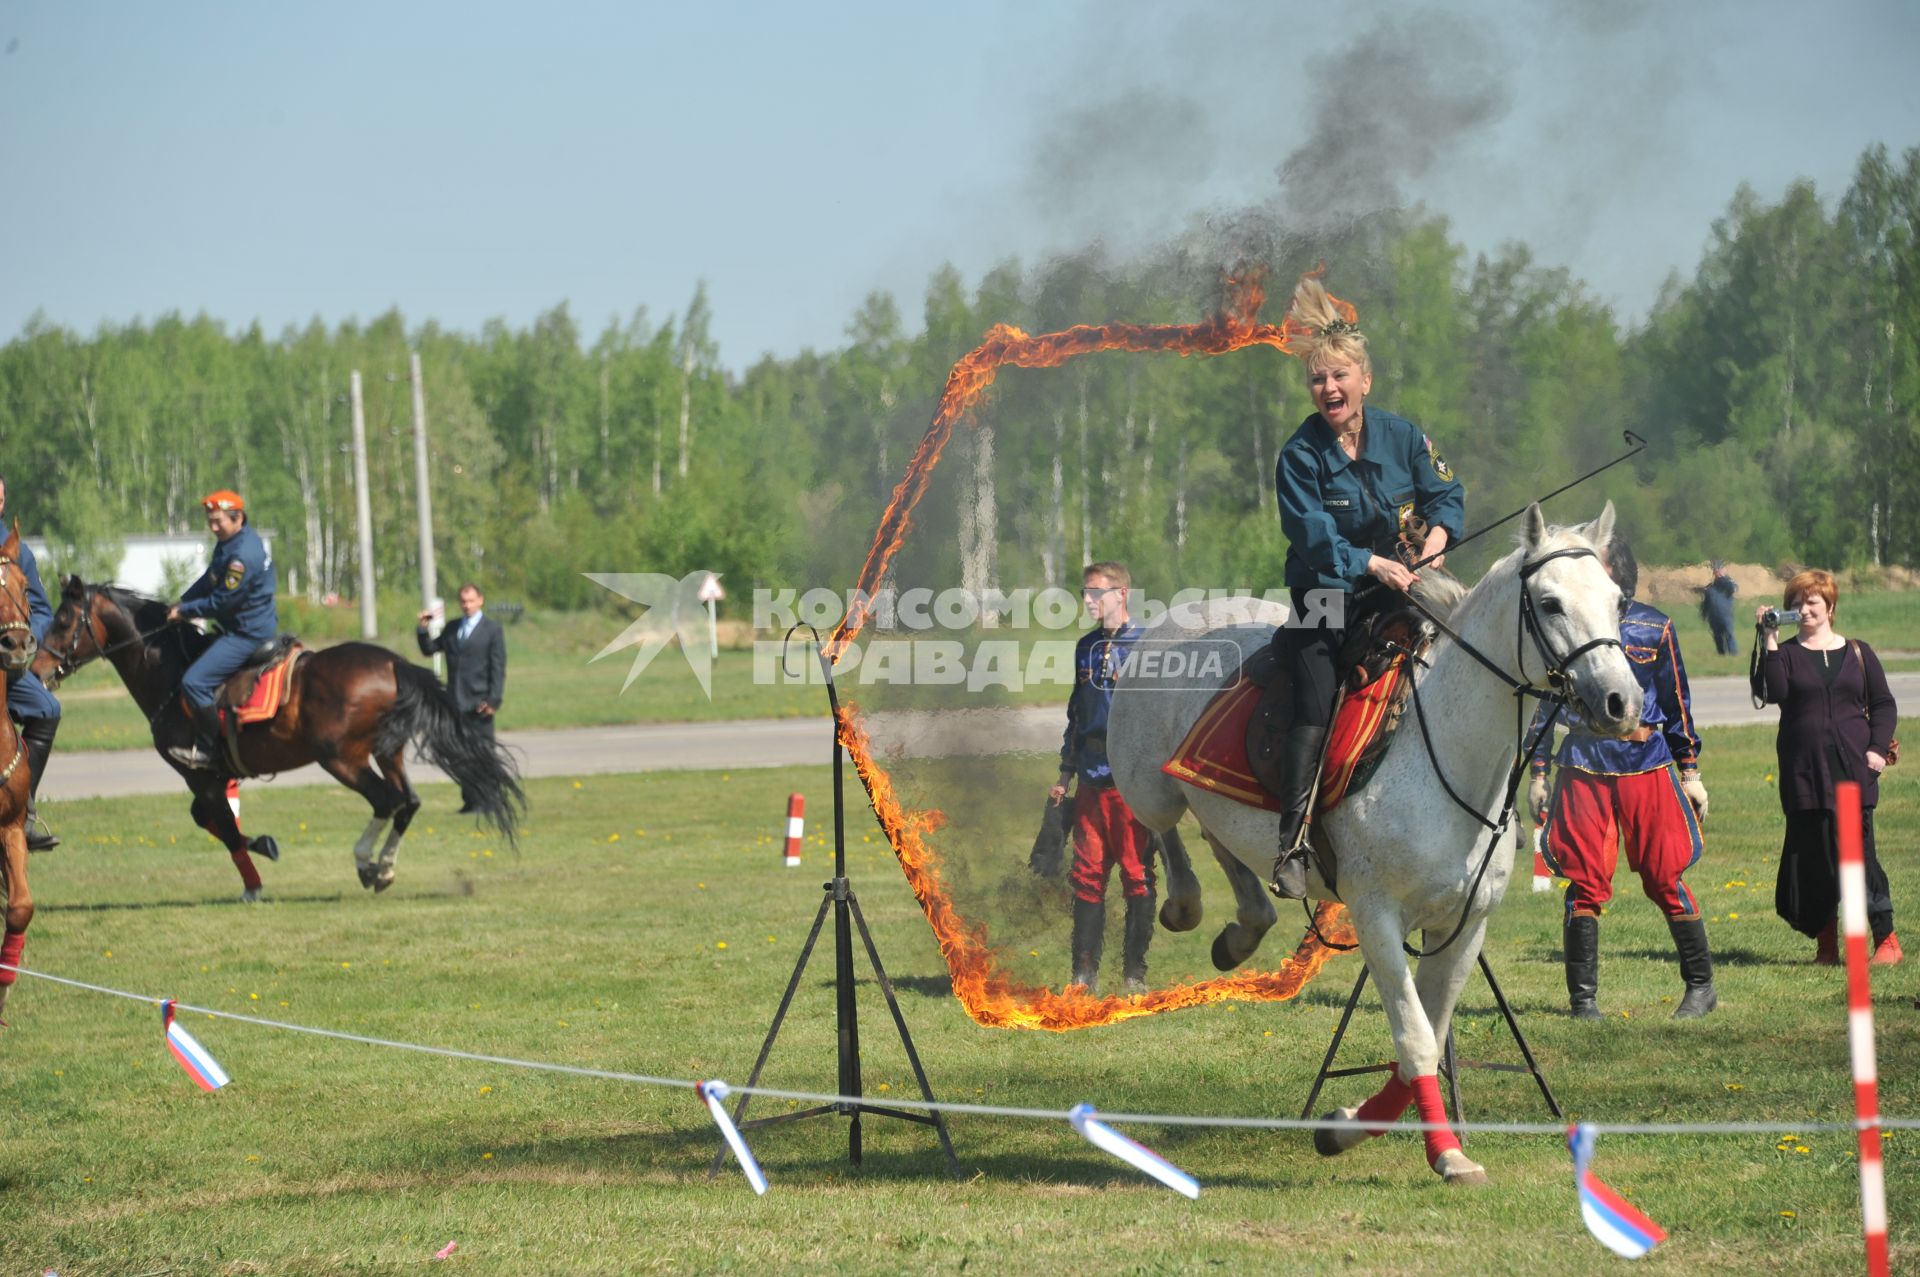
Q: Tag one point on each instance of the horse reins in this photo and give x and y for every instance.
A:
(67, 666)
(1554, 695)
(25, 609)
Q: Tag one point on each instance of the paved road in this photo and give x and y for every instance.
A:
(764, 742)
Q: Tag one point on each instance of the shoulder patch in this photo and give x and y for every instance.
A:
(236, 570)
(1440, 466)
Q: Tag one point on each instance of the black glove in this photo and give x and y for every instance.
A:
(1050, 844)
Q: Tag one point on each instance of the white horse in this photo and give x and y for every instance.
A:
(1409, 857)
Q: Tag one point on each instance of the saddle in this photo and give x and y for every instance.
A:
(256, 693)
(1235, 742)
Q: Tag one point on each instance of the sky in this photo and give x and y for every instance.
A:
(472, 161)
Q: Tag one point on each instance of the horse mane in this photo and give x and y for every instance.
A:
(1439, 591)
(135, 604)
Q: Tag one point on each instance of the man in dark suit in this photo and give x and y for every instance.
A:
(476, 652)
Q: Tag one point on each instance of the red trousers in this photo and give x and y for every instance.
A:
(1592, 814)
(1105, 834)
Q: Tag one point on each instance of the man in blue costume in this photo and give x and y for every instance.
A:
(236, 590)
(29, 701)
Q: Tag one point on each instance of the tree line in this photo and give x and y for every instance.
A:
(1779, 388)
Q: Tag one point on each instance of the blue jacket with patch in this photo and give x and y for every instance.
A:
(1097, 660)
(1667, 707)
(1339, 511)
(237, 587)
(39, 611)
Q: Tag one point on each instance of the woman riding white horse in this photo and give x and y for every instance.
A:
(1410, 856)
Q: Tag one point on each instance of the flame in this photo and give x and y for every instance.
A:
(996, 1000)
(990, 996)
(1234, 327)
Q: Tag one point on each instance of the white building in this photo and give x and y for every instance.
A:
(151, 564)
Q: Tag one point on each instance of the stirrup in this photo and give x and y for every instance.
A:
(1289, 880)
(191, 756)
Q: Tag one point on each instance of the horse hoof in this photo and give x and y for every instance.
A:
(383, 881)
(1326, 1140)
(265, 846)
(251, 896)
(366, 875)
(1456, 1168)
(1179, 914)
(1230, 948)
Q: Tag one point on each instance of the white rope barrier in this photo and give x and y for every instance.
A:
(984, 1110)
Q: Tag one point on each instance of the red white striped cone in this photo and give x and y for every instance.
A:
(1542, 876)
(1866, 1080)
(796, 827)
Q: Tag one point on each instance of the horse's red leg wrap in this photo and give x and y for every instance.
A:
(1388, 1105)
(243, 861)
(10, 950)
(1426, 1092)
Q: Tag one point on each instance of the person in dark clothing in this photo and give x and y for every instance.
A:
(1362, 494)
(1716, 608)
(236, 593)
(476, 650)
(1105, 834)
(33, 707)
(1837, 718)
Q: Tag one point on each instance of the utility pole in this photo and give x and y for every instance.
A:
(363, 510)
(429, 572)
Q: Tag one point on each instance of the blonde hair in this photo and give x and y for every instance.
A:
(1114, 572)
(1326, 327)
(1812, 581)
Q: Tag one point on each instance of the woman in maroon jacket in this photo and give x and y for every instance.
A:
(1836, 723)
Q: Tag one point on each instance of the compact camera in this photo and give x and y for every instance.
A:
(1775, 617)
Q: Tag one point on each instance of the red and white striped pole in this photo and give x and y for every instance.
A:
(233, 799)
(1542, 875)
(1866, 1082)
(796, 827)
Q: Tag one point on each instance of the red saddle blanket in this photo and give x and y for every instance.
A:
(270, 690)
(1214, 754)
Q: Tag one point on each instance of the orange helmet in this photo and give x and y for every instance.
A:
(223, 500)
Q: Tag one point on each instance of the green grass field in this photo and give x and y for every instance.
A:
(550, 682)
(645, 925)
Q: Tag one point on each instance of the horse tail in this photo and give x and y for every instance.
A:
(423, 715)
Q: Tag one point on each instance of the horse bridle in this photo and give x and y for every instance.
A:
(25, 610)
(66, 662)
(1555, 694)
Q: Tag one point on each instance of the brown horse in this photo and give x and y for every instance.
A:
(16, 654)
(353, 709)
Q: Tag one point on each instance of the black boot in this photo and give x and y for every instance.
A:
(1298, 772)
(1089, 937)
(37, 733)
(1135, 939)
(204, 753)
(1696, 967)
(1581, 939)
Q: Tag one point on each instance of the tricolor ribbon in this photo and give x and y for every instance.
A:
(1620, 1227)
(1139, 1156)
(715, 1093)
(194, 1058)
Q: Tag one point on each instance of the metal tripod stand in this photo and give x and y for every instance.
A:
(1449, 1064)
(846, 916)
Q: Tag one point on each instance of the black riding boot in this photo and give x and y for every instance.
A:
(1089, 937)
(204, 753)
(1298, 772)
(1696, 967)
(37, 734)
(1581, 940)
(1135, 939)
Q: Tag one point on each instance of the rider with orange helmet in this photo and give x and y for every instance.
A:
(236, 591)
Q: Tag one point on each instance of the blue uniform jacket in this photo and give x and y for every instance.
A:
(1339, 511)
(27, 697)
(1097, 661)
(39, 611)
(1654, 654)
(237, 588)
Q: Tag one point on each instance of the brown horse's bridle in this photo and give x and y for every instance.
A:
(24, 611)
